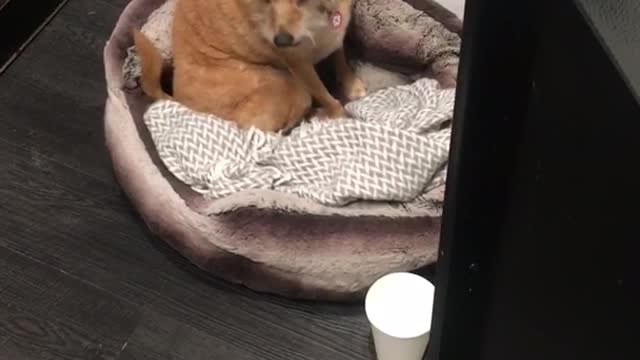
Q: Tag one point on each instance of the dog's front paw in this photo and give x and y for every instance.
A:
(335, 111)
(354, 89)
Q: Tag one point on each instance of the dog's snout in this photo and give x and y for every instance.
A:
(283, 39)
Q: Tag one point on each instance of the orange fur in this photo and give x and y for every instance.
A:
(151, 64)
(226, 63)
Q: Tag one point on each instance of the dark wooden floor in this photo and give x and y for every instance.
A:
(80, 277)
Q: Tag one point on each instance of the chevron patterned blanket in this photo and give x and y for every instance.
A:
(394, 148)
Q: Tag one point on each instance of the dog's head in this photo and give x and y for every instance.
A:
(286, 23)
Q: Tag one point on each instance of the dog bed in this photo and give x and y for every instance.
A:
(284, 242)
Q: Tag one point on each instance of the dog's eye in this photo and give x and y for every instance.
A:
(302, 2)
(322, 8)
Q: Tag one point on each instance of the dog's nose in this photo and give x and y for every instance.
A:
(283, 39)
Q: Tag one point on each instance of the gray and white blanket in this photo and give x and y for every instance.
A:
(394, 148)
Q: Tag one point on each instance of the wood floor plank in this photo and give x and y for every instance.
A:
(75, 223)
(56, 91)
(20, 22)
(48, 315)
(29, 337)
(158, 337)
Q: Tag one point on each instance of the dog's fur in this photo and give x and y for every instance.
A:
(225, 61)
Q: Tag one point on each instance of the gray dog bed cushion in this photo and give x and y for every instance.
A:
(268, 240)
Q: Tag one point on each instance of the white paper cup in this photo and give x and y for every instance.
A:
(399, 308)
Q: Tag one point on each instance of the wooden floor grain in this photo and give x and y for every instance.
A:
(80, 276)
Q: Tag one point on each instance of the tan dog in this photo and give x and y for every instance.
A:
(252, 61)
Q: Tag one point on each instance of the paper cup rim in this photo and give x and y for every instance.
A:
(372, 320)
